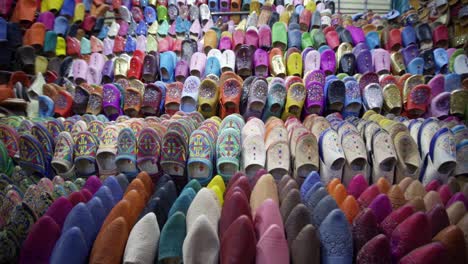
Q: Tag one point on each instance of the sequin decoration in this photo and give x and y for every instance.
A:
(111, 95)
(315, 92)
(297, 92)
(207, 90)
(132, 99)
(81, 96)
(259, 89)
(61, 101)
(152, 97)
(231, 88)
(420, 95)
(373, 96)
(94, 103)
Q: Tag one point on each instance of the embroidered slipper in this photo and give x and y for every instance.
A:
(189, 99)
(355, 152)
(126, 153)
(201, 154)
(306, 158)
(442, 157)
(86, 145)
(278, 155)
(228, 152)
(383, 155)
(148, 152)
(257, 98)
(107, 151)
(9, 136)
(33, 157)
(296, 95)
(63, 159)
(173, 96)
(174, 155)
(277, 67)
(408, 161)
(275, 99)
(332, 157)
(254, 154)
(230, 96)
(111, 101)
(418, 99)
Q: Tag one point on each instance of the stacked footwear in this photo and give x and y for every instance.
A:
(147, 58)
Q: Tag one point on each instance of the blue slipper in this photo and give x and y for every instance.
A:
(105, 195)
(323, 208)
(310, 181)
(81, 217)
(115, 188)
(336, 238)
(97, 210)
(70, 248)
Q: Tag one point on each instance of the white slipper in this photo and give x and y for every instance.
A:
(332, 157)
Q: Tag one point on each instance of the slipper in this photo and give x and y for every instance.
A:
(332, 157)
(458, 99)
(305, 159)
(189, 95)
(201, 152)
(256, 99)
(174, 155)
(373, 97)
(228, 152)
(148, 146)
(86, 145)
(279, 36)
(277, 67)
(353, 101)
(173, 97)
(126, 152)
(230, 96)
(275, 100)
(208, 98)
(383, 155)
(418, 100)
(9, 137)
(397, 63)
(442, 157)
(111, 101)
(355, 153)
(63, 159)
(254, 156)
(315, 98)
(334, 93)
(244, 61)
(296, 95)
(424, 35)
(167, 65)
(278, 155)
(107, 151)
(261, 63)
(408, 161)
(392, 99)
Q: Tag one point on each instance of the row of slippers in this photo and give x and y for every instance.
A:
(432, 56)
(37, 36)
(313, 221)
(410, 95)
(189, 148)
